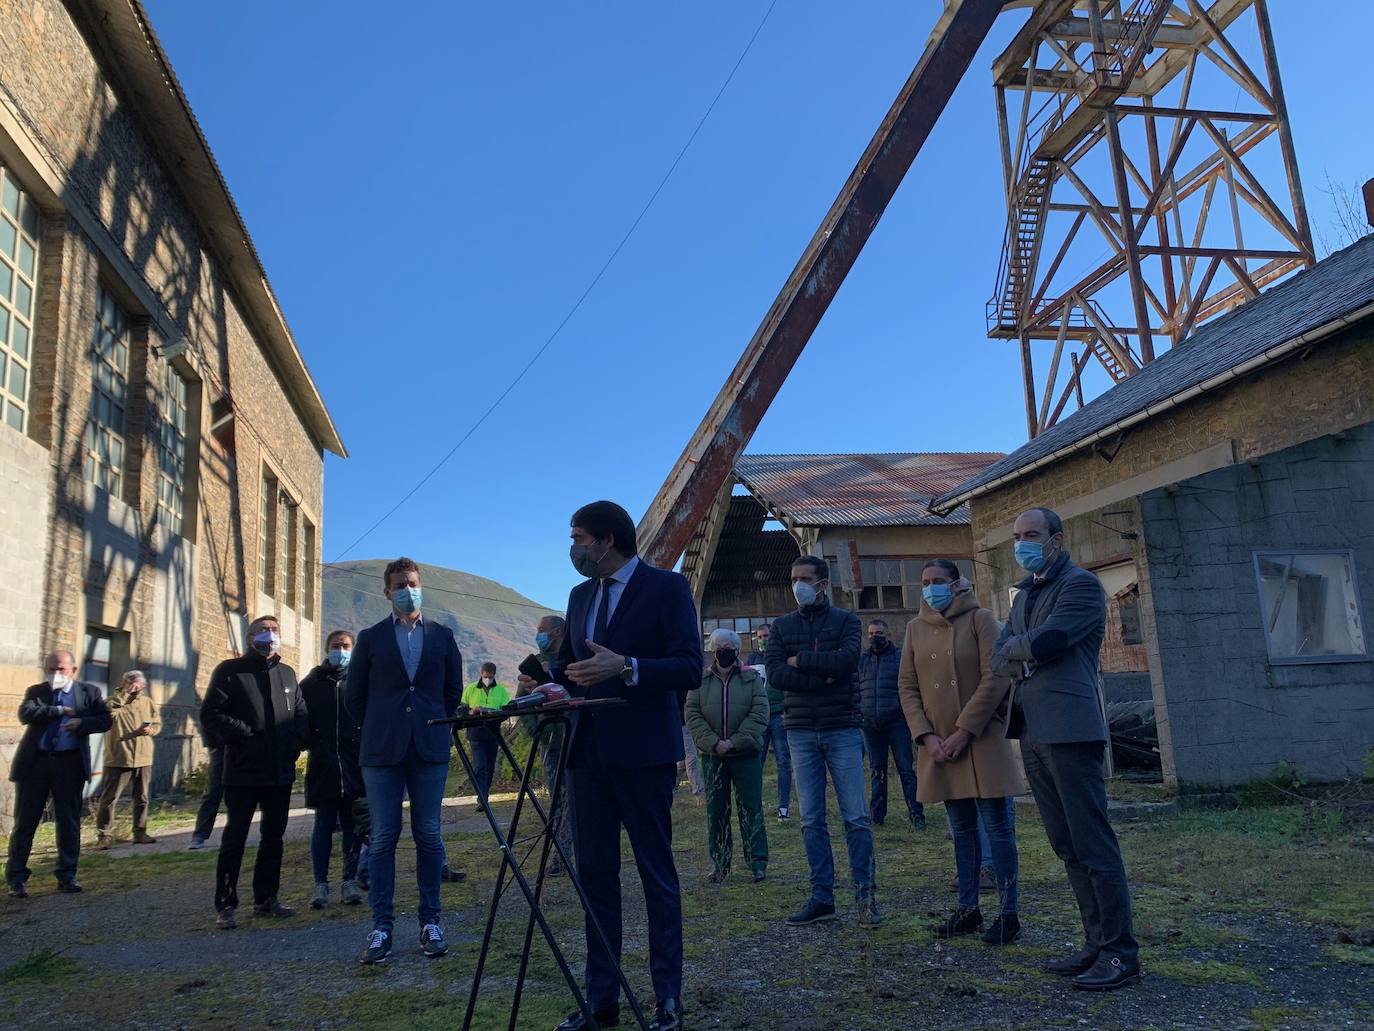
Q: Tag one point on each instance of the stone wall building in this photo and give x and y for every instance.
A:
(865, 514)
(161, 440)
(1225, 495)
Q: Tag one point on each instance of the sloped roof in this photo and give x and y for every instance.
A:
(1314, 299)
(860, 490)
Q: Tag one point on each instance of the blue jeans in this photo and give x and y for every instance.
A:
(424, 782)
(840, 752)
(484, 752)
(891, 735)
(984, 846)
(335, 812)
(965, 817)
(777, 737)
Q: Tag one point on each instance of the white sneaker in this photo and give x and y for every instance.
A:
(196, 845)
(784, 813)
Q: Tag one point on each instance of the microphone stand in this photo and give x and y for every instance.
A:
(551, 716)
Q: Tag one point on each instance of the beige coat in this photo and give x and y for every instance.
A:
(946, 681)
(124, 746)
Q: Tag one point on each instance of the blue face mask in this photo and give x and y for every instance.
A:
(338, 657)
(1030, 556)
(938, 596)
(406, 600)
(543, 641)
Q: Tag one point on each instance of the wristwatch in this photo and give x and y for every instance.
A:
(627, 672)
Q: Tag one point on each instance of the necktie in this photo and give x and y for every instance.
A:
(603, 613)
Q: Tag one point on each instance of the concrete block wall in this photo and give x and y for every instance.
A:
(1234, 715)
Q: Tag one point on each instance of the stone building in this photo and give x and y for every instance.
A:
(866, 514)
(1225, 496)
(161, 440)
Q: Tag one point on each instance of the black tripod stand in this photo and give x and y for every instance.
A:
(551, 716)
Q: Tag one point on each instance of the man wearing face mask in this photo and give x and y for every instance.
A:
(404, 672)
(1050, 648)
(255, 706)
(333, 780)
(885, 728)
(632, 634)
(484, 738)
(813, 657)
(53, 760)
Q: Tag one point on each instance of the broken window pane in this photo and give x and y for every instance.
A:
(1309, 605)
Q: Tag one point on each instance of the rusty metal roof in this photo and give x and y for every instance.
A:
(861, 490)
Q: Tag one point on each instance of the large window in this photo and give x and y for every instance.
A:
(1310, 606)
(286, 531)
(104, 461)
(889, 584)
(312, 570)
(19, 223)
(173, 406)
(267, 535)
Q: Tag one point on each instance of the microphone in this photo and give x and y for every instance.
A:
(539, 696)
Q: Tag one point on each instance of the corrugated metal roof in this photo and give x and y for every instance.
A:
(860, 490)
(1315, 297)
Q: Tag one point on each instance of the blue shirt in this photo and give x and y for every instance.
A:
(55, 739)
(410, 639)
(615, 584)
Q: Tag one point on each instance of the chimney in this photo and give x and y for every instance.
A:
(1369, 202)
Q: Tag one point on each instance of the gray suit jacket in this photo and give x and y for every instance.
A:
(1050, 648)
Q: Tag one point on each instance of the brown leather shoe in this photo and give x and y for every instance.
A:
(144, 838)
(272, 908)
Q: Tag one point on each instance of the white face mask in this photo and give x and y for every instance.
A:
(805, 593)
(59, 681)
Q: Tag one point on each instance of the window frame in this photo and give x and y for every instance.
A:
(169, 406)
(100, 430)
(1348, 554)
(26, 211)
(269, 486)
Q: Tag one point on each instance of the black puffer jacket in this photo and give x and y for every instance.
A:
(261, 740)
(822, 692)
(878, 684)
(332, 771)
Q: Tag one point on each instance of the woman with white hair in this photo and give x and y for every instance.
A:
(727, 716)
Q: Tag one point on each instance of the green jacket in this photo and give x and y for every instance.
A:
(745, 714)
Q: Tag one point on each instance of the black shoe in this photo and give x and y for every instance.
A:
(811, 913)
(226, 919)
(868, 912)
(877, 821)
(667, 1016)
(960, 922)
(760, 875)
(1107, 975)
(18, 890)
(69, 886)
(452, 876)
(1004, 930)
(1069, 966)
(608, 1017)
(918, 822)
(718, 876)
(432, 942)
(272, 908)
(378, 947)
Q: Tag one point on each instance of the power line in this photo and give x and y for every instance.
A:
(576, 304)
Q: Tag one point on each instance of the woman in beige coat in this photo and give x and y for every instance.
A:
(956, 709)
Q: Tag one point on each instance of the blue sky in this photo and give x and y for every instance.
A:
(432, 185)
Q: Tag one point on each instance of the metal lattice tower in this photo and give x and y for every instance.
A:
(1151, 184)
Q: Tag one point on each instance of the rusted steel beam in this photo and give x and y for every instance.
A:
(692, 485)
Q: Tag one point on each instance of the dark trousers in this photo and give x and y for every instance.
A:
(112, 784)
(743, 773)
(882, 738)
(1070, 791)
(214, 795)
(335, 812)
(641, 801)
(59, 776)
(484, 752)
(241, 802)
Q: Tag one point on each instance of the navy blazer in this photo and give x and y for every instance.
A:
(392, 709)
(655, 623)
(37, 711)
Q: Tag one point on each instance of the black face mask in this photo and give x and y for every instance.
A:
(726, 657)
(879, 642)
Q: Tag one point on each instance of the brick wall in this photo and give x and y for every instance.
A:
(182, 599)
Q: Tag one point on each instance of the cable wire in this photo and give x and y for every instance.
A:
(577, 305)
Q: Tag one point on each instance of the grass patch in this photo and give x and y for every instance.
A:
(41, 966)
(1353, 955)
(1203, 972)
(1274, 1018)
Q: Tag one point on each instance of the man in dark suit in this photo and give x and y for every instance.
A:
(254, 705)
(1050, 648)
(405, 671)
(53, 760)
(632, 633)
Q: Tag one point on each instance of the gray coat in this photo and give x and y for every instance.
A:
(1050, 648)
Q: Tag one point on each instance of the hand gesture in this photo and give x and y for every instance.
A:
(524, 684)
(936, 745)
(723, 746)
(71, 724)
(955, 744)
(67, 710)
(603, 665)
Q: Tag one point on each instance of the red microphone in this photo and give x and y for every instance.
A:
(541, 695)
